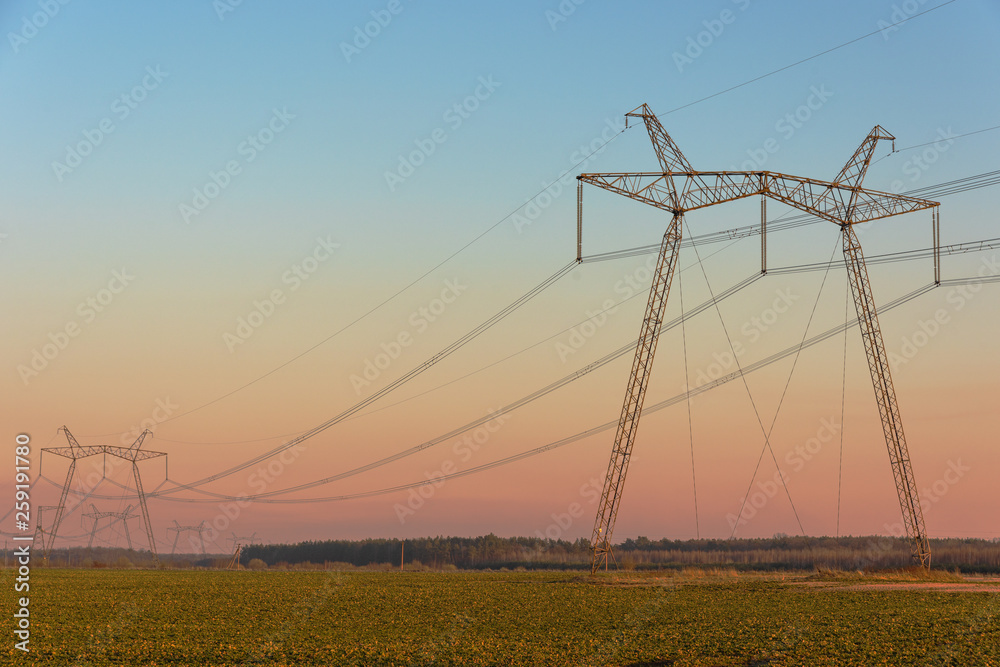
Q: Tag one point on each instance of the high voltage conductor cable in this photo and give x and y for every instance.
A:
(745, 370)
(450, 382)
(902, 256)
(511, 407)
(579, 436)
(447, 259)
(805, 60)
(530, 398)
(398, 382)
(762, 363)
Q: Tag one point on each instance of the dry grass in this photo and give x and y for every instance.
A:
(908, 574)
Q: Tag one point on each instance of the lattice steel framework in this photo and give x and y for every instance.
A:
(123, 516)
(245, 540)
(178, 529)
(678, 188)
(133, 454)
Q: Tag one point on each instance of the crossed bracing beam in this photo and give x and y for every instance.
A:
(678, 188)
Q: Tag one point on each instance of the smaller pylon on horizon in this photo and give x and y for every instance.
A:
(178, 529)
(246, 540)
(123, 516)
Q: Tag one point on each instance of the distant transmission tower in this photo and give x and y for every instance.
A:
(246, 540)
(123, 516)
(133, 454)
(178, 529)
(677, 189)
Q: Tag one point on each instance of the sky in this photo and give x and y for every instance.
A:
(230, 222)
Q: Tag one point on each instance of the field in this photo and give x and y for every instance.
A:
(140, 617)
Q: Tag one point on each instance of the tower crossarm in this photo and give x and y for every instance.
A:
(836, 202)
(83, 452)
(78, 452)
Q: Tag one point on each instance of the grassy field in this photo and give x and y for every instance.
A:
(139, 617)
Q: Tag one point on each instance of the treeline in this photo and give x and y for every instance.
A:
(780, 552)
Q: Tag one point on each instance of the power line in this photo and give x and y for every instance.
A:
(805, 60)
(762, 363)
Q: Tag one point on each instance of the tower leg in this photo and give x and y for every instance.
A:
(145, 512)
(885, 396)
(61, 508)
(614, 481)
(93, 531)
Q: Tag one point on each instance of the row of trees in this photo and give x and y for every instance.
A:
(778, 552)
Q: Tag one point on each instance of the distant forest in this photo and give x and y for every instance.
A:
(780, 552)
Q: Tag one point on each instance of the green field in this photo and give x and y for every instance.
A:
(139, 617)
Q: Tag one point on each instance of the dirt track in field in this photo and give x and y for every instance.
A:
(974, 586)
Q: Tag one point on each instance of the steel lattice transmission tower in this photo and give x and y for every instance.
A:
(123, 516)
(677, 189)
(245, 540)
(133, 454)
(178, 529)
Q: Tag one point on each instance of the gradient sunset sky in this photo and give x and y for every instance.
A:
(199, 197)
